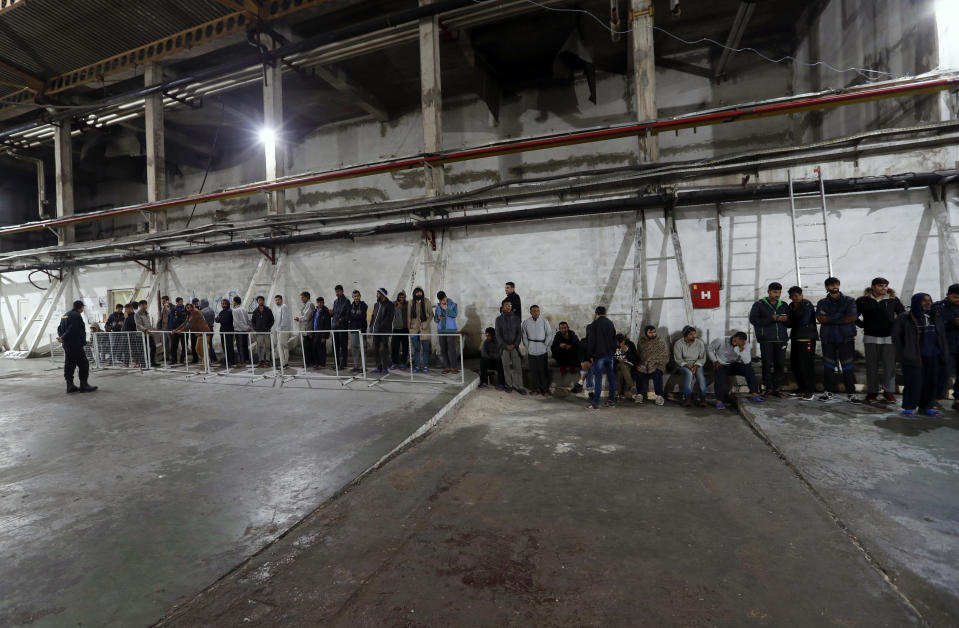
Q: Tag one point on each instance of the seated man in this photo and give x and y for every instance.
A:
(625, 359)
(689, 353)
(565, 349)
(730, 356)
(653, 356)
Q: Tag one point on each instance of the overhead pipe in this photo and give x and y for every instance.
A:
(733, 194)
(745, 112)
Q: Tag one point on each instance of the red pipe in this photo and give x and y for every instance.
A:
(513, 146)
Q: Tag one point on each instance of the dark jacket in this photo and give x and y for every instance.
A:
(834, 330)
(572, 341)
(802, 321)
(517, 304)
(262, 321)
(130, 322)
(401, 315)
(907, 338)
(876, 317)
(509, 330)
(72, 330)
(225, 319)
(600, 338)
(177, 316)
(115, 321)
(207, 313)
(322, 320)
(761, 318)
(383, 313)
(949, 312)
(490, 350)
(630, 353)
(341, 313)
(358, 316)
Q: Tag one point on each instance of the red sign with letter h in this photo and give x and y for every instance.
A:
(705, 294)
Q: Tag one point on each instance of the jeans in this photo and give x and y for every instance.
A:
(448, 351)
(802, 360)
(340, 347)
(774, 364)
(885, 355)
(725, 371)
(512, 366)
(642, 382)
(487, 366)
(319, 349)
(381, 352)
(400, 347)
(919, 384)
(688, 382)
(838, 356)
(421, 352)
(603, 366)
(539, 373)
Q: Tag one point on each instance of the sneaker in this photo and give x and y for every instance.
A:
(456, 371)
(908, 413)
(807, 397)
(891, 398)
(872, 397)
(403, 367)
(720, 405)
(756, 398)
(590, 406)
(425, 369)
(659, 400)
(687, 403)
(416, 369)
(576, 389)
(780, 394)
(393, 367)
(610, 403)
(826, 396)
(483, 385)
(932, 412)
(854, 399)
(639, 399)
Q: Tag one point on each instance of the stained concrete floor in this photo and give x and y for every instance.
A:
(118, 504)
(532, 512)
(894, 482)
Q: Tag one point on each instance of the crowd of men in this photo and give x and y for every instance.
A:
(924, 339)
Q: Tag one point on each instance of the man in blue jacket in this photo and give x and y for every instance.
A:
(837, 317)
(770, 316)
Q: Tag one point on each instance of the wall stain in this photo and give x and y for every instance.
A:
(367, 195)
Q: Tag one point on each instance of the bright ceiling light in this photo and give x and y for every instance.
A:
(267, 136)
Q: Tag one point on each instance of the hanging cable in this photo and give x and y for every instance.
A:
(209, 162)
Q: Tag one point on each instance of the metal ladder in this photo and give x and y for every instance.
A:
(743, 276)
(810, 233)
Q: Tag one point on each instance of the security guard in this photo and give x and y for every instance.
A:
(72, 335)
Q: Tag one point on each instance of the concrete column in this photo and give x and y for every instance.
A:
(644, 73)
(273, 139)
(431, 98)
(156, 153)
(63, 156)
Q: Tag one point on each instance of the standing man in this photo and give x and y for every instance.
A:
(653, 357)
(421, 326)
(948, 311)
(283, 325)
(357, 326)
(730, 356)
(382, 324)
(145, 326)
(322, 320)
(72, 334)
(400, 350)
(115, 324)
(600, 348)
(225, 319)
(209, 316)
(689, 352)
(769, 317)
(262, 320)
(196, 323)
(509, 335)
(802, 349)
(341, 323)
(837, 317)
(878, 309)
(536, 333)
(565, 349)
(243, 326)
(445, 317)
(128, 353)
(304, 323)
(514, 299)
(163, 326)
(177, 317)
(920, 337)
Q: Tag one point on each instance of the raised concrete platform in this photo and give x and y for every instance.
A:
(532, 512)
(118, 504)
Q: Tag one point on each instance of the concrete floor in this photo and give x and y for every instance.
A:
(533, 512)
(118, 504)
(894, 482)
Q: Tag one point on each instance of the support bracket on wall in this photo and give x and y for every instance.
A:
(269, 254)
(150, 265)
(430, 236)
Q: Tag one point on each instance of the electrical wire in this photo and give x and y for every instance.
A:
(30, 279)
(209, 162)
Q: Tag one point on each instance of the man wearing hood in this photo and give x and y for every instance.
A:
(304, 323)
(283, 326)
(653, 356)
(536, 333)
(382, 324)
(509, 335)
(242, 325)
(878, 309)
(341, 323)
(837, 317)
(421, 326)
(802, 337)
(565, 349)
(948, 312)
(225, 319)
(197, 324)
(400, 349)
(920, 339)
(209, 316)
(322, 321)
(262, 320)
(357, 326)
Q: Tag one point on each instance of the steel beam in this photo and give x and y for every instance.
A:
(63, 157)
(155, 147)
(26, 80)
(743, 14)
(249, 7)
(10, 5)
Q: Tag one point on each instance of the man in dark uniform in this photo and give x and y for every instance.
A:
(72, 334)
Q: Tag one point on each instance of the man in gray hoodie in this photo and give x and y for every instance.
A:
(509, 335)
